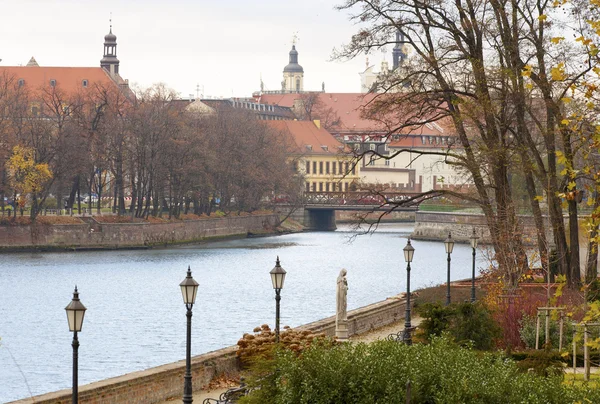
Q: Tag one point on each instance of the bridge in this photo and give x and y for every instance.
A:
(318, 208)
(365, 201)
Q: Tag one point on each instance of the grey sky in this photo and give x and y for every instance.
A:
(222, 45)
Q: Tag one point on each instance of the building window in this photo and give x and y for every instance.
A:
(372, 147)
(346, 187)
(326, 187)
(353, 169)
(308, 187)
(297, 84)
(387, 162)
(333, 166)
(21, 82)
(314, 186)
(341, 171)
(423, 139)
(314, 167)
(52, 83)
(84, 83)
(35, 111)
(327, 167)
(320, 167)
(320, 187)
(308, 167)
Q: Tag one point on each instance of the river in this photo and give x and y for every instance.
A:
(136, 316)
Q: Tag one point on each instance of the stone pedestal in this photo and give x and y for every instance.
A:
(341, 330)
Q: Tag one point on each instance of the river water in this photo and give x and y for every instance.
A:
(136, 316)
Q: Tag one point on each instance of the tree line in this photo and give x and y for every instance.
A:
(517, 82)
(143, 147)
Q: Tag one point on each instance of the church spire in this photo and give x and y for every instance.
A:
(293, 73)
(398, 53)
(110, 62)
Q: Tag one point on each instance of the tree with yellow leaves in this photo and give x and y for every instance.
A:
(28, 178)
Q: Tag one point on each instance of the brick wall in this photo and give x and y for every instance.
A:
(164, 382)
(93, 234)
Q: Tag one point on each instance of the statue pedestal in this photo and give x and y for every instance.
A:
(341, 330)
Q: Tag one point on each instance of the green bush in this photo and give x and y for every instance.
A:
(543, 362)
(527, 332)
(439, 372)
(49, 203)
(465, 322)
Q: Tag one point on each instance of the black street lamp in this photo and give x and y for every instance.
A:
(474, 239)
(449, 243)
(277, 278)
(75, 312)
(189, 288)
(409, 251)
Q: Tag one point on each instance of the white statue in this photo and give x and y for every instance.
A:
(341, 318)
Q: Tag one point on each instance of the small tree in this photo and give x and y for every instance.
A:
(26, 176)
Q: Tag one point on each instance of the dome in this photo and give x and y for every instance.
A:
(110, 37)
(293, 66)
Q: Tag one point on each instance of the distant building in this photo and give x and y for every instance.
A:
(70, 80)
(370, 78)
(262, 111)
(363, 135)
(321, 157)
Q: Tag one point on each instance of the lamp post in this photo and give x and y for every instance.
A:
(189, 288)
(75, 312)
(409, 251)
(474, 239)
(277, 278)
(449, 243)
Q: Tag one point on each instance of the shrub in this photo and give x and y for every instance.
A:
(527, 331)
(440, 372)
(543, 362)
(261, 344)
(465, 322)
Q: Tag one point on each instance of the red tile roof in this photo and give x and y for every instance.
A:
(306, 133)
(68, 79)
(350, 108)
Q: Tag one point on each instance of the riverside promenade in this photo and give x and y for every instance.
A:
(165, 383)
(380, 333)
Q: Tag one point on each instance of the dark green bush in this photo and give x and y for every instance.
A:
(440, 372)
(465, 322)
(544, 362)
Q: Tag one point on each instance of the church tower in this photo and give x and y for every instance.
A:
(399, 52)
(109, 62)
(293, 73)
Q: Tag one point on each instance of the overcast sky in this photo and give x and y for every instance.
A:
(224, 46)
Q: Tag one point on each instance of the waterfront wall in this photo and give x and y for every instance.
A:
(437, 225)
(93, 234)
(166, 382)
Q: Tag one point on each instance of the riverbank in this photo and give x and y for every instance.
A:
(88, 233)
(164, 383)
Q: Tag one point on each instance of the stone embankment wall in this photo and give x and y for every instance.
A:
(93, 234)
(437, 225)
(166, 382)
(342, 216)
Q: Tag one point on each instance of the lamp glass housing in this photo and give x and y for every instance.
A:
(277, 275)
(474, 239)
(409, 251)
(449, 243)
(189, 288)
(75, 313)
